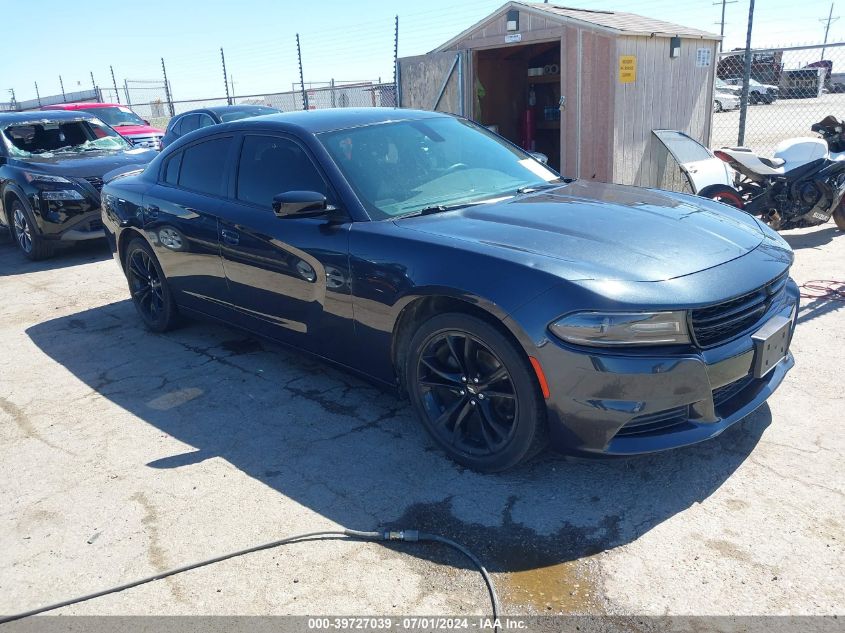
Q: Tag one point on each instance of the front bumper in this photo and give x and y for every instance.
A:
(611, 403)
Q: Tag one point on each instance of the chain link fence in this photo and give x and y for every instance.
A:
(790, 88)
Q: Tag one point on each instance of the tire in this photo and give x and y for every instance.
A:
(475, 392)
(148, 288)
(754, 98)
(839, 216)
(723, 193)
(26, 238)
(717, 106)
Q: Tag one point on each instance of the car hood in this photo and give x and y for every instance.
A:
(586, 230)
(87, 164)
(138, 130)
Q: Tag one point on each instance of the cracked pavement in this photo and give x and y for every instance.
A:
(123, 453)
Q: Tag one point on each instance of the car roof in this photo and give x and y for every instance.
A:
(222, 109)
(80, 105)
(31, 116)
(317, 121)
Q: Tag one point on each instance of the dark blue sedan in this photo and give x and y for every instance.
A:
(514, 307)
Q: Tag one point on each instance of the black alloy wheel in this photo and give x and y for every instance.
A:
(148, 287)
(475, 393)
(32, 245)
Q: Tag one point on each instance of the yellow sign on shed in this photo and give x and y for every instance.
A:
(627, 69)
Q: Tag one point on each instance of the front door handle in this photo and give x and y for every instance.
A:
(230, 237)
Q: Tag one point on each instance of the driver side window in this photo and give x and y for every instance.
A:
(271, 165)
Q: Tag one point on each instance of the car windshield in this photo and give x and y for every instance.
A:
(402, 168)
(116, 116)
(246, 113)
(47, 138)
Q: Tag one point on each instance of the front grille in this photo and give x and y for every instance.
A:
(724, 393)
(146, 141)
(95, 182)
(721, 322)
(655, 422)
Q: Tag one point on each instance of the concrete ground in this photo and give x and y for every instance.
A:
(124, 453)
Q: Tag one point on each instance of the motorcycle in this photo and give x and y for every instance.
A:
(803, 184)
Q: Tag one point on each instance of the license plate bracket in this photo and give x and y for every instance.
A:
(770, 344)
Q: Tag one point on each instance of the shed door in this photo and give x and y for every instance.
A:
(433, 82)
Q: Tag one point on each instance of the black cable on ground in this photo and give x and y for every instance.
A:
(401, 535)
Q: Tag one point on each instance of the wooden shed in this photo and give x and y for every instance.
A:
(584, 87)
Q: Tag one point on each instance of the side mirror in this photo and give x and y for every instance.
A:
(300, 204)
(540, 156)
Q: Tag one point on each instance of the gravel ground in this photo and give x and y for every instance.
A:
(125, 453)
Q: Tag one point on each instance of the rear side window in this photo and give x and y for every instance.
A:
(205, 120)
(190, 123)
(171, 169)
(270, 165)
(203, 166)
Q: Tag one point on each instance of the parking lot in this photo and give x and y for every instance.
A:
(768, 125)
(125, 453)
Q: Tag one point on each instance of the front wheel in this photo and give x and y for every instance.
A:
(723, 193)
(32, 245)
(148, 286)
(475, 393)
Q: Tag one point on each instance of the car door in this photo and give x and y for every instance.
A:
(289, 278)
(180, 219)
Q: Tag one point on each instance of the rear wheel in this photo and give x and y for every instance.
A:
(148, 285)
(723, 193)
(475, 393)
(26, 238)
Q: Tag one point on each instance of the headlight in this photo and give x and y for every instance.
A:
(34, 177)
(62, 194)
(623, 328)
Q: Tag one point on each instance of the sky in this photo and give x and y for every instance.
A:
(340, 40)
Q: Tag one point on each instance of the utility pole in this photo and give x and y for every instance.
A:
(114, 83)
(14, 102)
(746, 76)
(829, 19)
(722, 28)
(37, 94)
(62, 84)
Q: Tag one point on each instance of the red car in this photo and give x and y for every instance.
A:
(128, 124)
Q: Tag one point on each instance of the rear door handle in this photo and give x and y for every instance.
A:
(230, 237)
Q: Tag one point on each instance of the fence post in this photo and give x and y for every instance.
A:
(167, 90)
(396, 62)
(301, 76)
(746, 76)
(334, 104)
(114, 83)
(126, 91)
(14, 102)
(37, 94)
(62, 84)
(225, 78)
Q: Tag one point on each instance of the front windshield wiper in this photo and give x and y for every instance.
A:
(546, 185)
(440, 208)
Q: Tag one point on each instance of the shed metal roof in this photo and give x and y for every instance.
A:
(619, 22)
